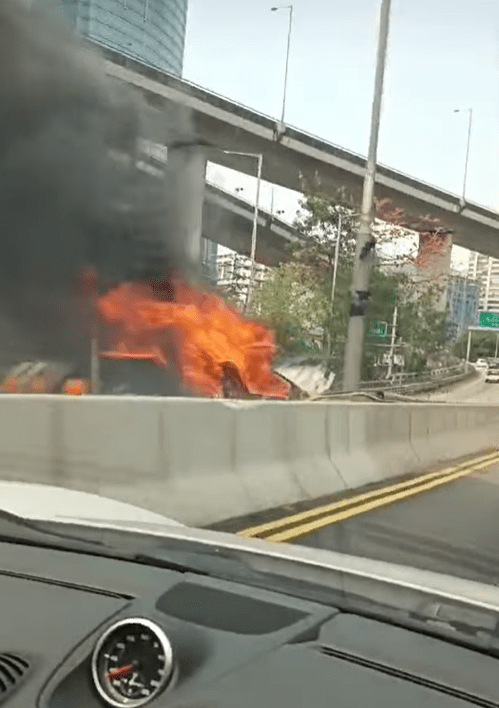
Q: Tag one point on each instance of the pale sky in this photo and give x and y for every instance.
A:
(443, 54)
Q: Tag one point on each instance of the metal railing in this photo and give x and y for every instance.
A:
(413, 381)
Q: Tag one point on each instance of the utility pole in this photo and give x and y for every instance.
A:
(290, 8)
(468, 348)
(94, 365)
(470, 122)
(251, 284)
(364, 251)
(335, 271)
(392, 343)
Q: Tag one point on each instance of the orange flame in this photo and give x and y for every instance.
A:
(209, 336)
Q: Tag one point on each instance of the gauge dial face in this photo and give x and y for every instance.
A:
(132, 663)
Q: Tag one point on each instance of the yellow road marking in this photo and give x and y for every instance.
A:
(305, 529)
(304, 516)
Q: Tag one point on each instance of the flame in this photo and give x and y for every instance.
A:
(211, 338)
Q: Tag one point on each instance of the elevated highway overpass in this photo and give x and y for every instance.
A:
(294, 159)
(228, 221)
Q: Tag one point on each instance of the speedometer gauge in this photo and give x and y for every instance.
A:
(132, 663)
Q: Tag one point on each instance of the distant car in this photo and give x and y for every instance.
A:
(481, 364)
(492, 375)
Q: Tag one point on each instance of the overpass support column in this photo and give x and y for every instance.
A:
(185, 185)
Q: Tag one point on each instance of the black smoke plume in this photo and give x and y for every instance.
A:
(71, 195)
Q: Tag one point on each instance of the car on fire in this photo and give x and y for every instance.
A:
(106, 604)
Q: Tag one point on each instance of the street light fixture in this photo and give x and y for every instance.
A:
(259, 157)
(470, 111)
(290, 8)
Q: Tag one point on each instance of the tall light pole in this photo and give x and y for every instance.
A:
(364, 250)
(333, 284)
(470, 111)
(251, 283)
(290, 8)
(392, 344)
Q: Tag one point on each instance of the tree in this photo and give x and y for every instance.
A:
(296, 300)
(483, 344)
(293, 305)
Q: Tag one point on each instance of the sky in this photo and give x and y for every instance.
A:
(442, 55)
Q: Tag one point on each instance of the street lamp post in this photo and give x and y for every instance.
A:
(290, 8)
(468, 349)
(251, 283)
(333, 284)
(470, 111)
(364, 249)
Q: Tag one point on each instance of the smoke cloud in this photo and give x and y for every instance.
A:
(71, 195)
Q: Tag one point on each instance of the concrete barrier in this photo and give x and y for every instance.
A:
(201, 461)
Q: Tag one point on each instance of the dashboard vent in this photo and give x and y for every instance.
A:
(12, 670)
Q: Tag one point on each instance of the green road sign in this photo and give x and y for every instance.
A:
(379, 329)
(489, 319)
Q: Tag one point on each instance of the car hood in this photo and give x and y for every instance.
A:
(44, 502)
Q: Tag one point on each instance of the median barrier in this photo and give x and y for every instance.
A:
(26, 434)
(202, 461)
(445, 431)
(310, 456)
(378, 444)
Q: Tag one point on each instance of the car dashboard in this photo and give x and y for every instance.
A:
(82, 631)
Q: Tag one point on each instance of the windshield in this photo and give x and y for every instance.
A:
(216, 310)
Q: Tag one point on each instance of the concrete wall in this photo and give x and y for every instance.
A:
(201, 461)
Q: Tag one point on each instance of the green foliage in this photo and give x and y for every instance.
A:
(483, 344)
(296, 300)
(293, 305)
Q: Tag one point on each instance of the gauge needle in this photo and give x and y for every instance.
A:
(120, 672)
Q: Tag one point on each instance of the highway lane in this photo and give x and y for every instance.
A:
(451, 529)
(472, 391)
(445, 519)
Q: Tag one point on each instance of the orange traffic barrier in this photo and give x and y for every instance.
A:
(10, 385)
(76, 387)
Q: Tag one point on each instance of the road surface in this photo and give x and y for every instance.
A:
(452, 529)
(446, 519)
(472, 391)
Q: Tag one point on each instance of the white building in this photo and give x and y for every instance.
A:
(234, 273)
(485, 270)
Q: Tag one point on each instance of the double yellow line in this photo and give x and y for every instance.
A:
(298, 525)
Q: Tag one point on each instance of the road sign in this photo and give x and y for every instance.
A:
(489, 320)
(379, 329)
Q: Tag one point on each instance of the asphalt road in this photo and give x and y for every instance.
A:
(452, 529)
(474, 391)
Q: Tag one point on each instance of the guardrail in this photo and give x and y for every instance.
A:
(413, 381)
(404, 379)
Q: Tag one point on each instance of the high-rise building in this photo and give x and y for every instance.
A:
(462, 305)
(485, 270)
(151, 31)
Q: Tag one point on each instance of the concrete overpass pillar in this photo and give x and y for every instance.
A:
(185, 185)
